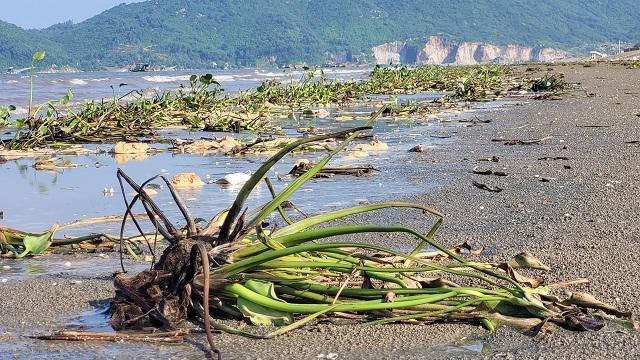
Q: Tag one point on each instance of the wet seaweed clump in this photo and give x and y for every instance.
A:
(238, 266)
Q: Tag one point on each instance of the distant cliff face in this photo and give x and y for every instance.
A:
(439, 51)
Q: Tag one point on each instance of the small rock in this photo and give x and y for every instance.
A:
(76, 282)
(6, 267)
(418, 149)
(148, 258)
(104, 256)
(130, 148)
(372, 146)
(356, 155)
(187, 180)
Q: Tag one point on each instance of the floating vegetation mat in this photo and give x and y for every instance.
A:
(203, 105)
(283, 277)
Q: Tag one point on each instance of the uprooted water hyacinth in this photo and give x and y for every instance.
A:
(237, 266)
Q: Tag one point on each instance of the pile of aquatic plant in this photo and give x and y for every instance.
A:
(554, 83)
(18, 244)
(5, 115)
(109, 121)
(467, 81)
(634, 64)
(313, 88)
(238, 266)
(203, 104)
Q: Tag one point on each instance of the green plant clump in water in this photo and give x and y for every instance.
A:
(5, 115)
(34, 244)
(237, 266)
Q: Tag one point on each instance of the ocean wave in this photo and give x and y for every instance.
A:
(271, 74)
(164, 78)
(69, 82)
(12, 82)
(102, 79)
(224, 77)
(77, 82)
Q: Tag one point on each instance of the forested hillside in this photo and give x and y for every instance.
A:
(199, 33)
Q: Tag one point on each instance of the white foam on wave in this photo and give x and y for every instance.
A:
(101, 79)
(77, 82)
(271, 74)
(224, 78)
(346, 71)
(164, 78)
(70, 82)
(12, 82)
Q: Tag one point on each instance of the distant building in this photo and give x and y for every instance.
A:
(597, 55)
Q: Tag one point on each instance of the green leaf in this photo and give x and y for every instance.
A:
(248, 187)
(297, 183)
(65, 99)
(258, 314)
(39, 56)
(37, 243)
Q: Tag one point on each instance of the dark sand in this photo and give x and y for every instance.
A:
(582, 223)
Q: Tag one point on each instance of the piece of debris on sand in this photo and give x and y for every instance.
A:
(486, 187)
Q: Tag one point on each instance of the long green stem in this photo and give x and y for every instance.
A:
(435, 313)
(315, 234)
(369, 305)
(248, 187)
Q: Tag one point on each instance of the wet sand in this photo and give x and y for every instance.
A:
(582, 223)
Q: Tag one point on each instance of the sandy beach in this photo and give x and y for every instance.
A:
(572, 200)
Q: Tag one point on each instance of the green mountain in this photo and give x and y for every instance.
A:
(198, 33)
(18, 45)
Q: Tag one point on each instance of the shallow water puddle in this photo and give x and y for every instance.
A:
(96, 320)
(64, 266)
(473, 346)
(35, 199)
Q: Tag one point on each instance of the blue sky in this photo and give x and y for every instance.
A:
(38, 14)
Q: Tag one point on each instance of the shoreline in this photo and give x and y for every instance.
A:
(581, 223)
